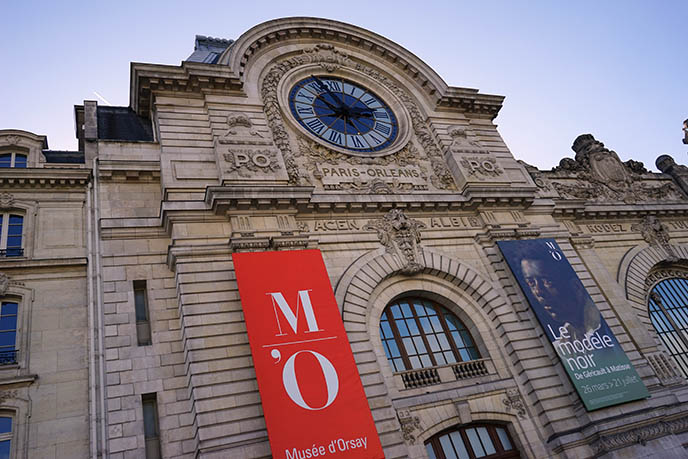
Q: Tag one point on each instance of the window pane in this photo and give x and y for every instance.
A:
(504, 438)
(4, 446)
(396, 312)
(9, 308)
(486, 440)
(459, 447)
(386, 330)
(475, 443)
(406, 309)
(393, 349)
(20, 161)
(5, 424)
(8, 323)
(431, 452)
(140, 305)
(7, 339)
(6, 160)
(447, 447)
(150, 425)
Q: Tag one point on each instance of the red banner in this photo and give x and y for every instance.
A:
(312, 395)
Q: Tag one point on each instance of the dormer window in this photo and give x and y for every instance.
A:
(17, 160)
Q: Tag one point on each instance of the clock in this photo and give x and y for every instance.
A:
(343, 113)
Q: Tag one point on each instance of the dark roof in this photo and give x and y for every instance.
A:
(208, 50)
(122, 123)
(63, 156)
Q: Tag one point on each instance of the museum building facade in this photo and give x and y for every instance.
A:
(123, 329)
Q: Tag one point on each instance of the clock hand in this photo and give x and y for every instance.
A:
(324, 87)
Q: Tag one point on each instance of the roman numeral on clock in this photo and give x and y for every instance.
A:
(315, 125)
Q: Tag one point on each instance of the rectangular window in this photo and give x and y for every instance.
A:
(8, 333)
(143, 328)
(151, 427)
(11, 230)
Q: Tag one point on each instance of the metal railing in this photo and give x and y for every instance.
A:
(8, 357)
(12, 252)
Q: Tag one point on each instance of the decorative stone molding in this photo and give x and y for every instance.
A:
(328, 57)
(662, 274)
(639, 435)
(401, 236)
(480, 167)
(514, 401)
(409, 425)
(240, 131)
(462, 144)
(4, 284)
(12, 140)
(597, 174)
(6, 201)
(655, 234)
(665, 369)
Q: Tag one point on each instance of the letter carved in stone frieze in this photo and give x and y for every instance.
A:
(246, 161)
(401, 236)
(655, 234)
(481, 167)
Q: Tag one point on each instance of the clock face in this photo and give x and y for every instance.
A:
(343, 113)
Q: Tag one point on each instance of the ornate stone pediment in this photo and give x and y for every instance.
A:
(597, 174)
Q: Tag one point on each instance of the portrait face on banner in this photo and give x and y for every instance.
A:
(590, 353)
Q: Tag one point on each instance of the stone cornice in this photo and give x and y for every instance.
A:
(44, 178)
(125, 170)
(190, 77)
(579, 209)
(37, 263)
(228, 73)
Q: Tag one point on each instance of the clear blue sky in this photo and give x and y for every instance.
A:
(616, 69)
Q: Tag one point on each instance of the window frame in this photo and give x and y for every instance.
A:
(441, 311)
(678, 338)
(13, 159)
(144, 335)
(500, 452)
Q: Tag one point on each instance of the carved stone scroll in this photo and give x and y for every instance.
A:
(655, 234)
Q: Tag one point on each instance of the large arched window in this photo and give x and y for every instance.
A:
(669, 314)
(472, 441)
(417, 333)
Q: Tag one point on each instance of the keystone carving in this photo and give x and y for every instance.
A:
(655, 234)
(462, 144)
(12, 139)
(640, 435)
(6, 201)
(599, 175)
(327, 56)
(481, 167)
(409, 424)
(513, 401)
(401, 236)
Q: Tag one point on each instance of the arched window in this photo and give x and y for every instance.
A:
(669, 314)
(417, 333)
(12, 160)
(472, 441)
